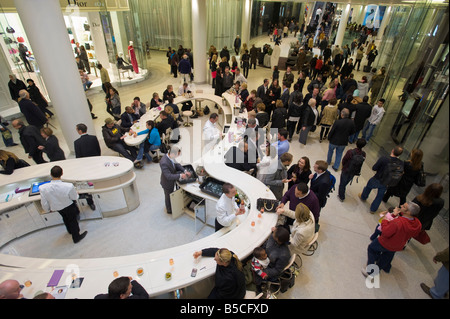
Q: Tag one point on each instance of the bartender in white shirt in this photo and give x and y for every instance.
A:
(226, 207)
(61, 197)
(184, 90)
(211, 134)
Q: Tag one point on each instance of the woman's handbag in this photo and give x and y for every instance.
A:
(269, 205)
(421, 178)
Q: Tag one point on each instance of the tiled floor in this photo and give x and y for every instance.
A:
(334, 271)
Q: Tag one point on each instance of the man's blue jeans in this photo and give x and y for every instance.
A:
(371, 184)
(440, 284)
(353, 138)
(339, 151)
(367, 131)
(380, 256)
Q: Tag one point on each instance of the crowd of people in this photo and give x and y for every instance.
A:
(342, 106)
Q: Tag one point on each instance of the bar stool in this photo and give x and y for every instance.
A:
(187, 114)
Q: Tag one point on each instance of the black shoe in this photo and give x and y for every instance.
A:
(81, 237)
(426, 289)
(92, 206)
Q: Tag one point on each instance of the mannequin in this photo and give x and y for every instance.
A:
(133, 57)
(123, 65)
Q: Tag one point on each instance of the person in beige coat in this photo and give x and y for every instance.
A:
(303, 229)
(329, 115)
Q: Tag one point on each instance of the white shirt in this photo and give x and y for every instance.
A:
(226, 210)
(57, 195)
(240, 78)
(376, 115)
(182, 90)
(210, 131)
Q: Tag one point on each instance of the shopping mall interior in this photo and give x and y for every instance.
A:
(411, 38)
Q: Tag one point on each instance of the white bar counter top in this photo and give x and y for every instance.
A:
(241, 238)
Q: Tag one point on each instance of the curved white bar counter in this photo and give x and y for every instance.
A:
(98, 273)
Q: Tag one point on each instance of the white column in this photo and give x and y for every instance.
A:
(7, 105)
(342, 25)
(101, 53)
(199, 40)
(246, 21)
(384, 22)
(46, 31)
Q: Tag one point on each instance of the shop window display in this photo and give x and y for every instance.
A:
(79, 31)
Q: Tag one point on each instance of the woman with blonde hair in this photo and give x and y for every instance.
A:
(229, 277)
(303, 229)
(410, 176)
(213, 68)
(9, 161)
(169, 111)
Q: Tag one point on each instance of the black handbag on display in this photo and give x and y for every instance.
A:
(269, 205)
(87, 46)
(10, 30)
(87, 27)
(7, 40)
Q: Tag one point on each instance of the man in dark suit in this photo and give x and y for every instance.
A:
(341, 130)
(124, 288)
(31, 111)
(362, 113)
(171, 172)
(30, 139)
(86, 146)
(285, 95)
(321, 182)
(225, 53)
(263, 90)
(128, 118)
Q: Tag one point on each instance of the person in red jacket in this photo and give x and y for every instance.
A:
(394, 236)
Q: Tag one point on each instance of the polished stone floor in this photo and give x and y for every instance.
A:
(333, 272)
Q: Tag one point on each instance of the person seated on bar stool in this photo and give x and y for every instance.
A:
(128, 118)
(185, 90)
(151, 143)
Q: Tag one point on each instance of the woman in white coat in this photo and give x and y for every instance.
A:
(303, 229)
